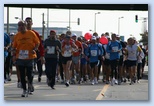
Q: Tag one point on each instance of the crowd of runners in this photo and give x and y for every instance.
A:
(71, 59)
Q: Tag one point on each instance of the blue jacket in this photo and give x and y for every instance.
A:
(94, 51)
(6, 42)
(113, 45)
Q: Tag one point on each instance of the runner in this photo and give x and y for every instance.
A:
(143, 60)
(67, 45)
(94, 55)
(52, 48)
(76, 58)
(25, 44)
(7, 43)
(133, 52)
(83, 63)
(120, 64)
(139, 65)
(61, 38)
(114, 48)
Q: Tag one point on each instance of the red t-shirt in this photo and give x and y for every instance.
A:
(40, 48)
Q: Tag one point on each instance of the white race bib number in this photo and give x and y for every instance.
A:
(132, 53)
(75, 50)
(67, 53)
(23, 54)
(115, 49)
(93, 52)
(51, 50)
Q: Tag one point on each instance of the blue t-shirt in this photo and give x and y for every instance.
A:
(6, 42)
(94, 51)
(115, 46)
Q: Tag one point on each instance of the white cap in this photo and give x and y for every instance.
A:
(117, 36)
(93, 38)
(74, 35)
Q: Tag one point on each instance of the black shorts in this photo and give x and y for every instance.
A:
(65, 59)
(107, 62)
(93, 64)
(114, 62)
(131, 63)
(126, 63)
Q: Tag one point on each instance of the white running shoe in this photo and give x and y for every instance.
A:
(95, 80)
(92, 83)
(112, 82)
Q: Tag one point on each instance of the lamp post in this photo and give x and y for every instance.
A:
(119, 25)
(95, 20)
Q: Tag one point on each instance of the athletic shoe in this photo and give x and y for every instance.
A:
(116, 81)
(24, 94)
(19, 85)
(92, 82)
(119, 82)
(67, 84)
(107, 82)
(95, 80)
(131, 83)
(112, 82)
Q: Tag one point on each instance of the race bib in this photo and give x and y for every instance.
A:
(67, 53)
(75, 50)
(93, 52)
(132, 54)
(23, 54)
(51, 49)
(115, 49)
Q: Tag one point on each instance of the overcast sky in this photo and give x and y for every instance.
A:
(106, 21)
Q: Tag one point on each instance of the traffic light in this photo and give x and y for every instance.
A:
(136, 18)
(78, 21)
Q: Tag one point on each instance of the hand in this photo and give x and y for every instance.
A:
(5, 48)
(42, 60)
(33, 51)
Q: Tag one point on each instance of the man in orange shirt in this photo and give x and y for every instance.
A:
(25, 44)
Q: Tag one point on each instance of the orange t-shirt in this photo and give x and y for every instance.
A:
(24, 44)
(76, 52)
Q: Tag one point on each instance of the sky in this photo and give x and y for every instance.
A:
(106, 21)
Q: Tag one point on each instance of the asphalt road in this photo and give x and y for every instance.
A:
(86, 91)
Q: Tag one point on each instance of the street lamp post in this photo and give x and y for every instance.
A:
(119, 25)
(95, 21)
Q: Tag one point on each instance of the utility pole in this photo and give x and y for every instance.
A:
(7, 19)
(43, 23)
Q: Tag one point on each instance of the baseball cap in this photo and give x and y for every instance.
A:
(117, 36)
(52, 31)
(12, 34)
(93, 38)
(74, 35)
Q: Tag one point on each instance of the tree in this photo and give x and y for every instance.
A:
(144, 39)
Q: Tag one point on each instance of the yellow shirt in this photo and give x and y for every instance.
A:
(24, 44)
